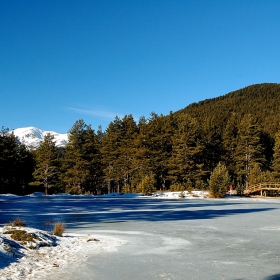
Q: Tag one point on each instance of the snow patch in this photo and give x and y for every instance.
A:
(19, 261)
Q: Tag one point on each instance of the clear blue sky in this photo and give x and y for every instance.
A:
(63, 60)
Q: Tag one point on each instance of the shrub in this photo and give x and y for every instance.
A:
(146, 186)
(59, 228)
(176, 187)
(18, 222)
(22, 235)
(219, 181)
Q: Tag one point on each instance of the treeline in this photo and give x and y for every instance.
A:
(164, 152)
(174, 152)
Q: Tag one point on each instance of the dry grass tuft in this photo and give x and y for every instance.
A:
(59, 228)
(18, 222)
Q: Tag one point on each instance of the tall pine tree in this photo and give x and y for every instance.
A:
(248, 148)
(46, 169)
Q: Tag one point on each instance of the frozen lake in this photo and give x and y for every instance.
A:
(165, 239)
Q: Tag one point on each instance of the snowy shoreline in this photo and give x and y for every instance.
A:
(72, 250)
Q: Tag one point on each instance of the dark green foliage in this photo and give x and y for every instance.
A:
(219, 181)
(248, 149)
(186, 164)
(276, 158)
(81, 170)
(180, 149)
(46, 169)
(262, 101)
(159, 142)
(119, 153)
(258, 176)
(16, 164)
(147, 184)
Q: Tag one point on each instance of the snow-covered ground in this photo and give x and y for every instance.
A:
(19, 261)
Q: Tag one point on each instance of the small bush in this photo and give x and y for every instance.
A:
(18, 222)
(59, 228)
(219, 181)
(22, 235)
(146, 186)
(176, 187)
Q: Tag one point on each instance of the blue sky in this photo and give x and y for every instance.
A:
(63, 60)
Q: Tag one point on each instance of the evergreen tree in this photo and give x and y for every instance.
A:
(276, 158)
(46, 167)
(25, 169)
(248, 148)
(16, 164)
(212, 145)
(258, 176)
(141, 164)
(219, 181)
(147, 185)
(81, 164)
(126, 151)
(160, 131)
(91, 153)
(110, 151)
(185, 162)
(229, 144)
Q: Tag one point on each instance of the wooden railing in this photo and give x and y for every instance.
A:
(260, 187)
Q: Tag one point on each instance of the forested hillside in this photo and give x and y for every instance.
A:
(262, 101)
(237, 134)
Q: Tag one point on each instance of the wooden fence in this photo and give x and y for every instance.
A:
(263, 188)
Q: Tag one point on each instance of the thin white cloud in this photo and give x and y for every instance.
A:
(97, 113)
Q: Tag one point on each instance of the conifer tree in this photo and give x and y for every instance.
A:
(185, 162)
(276, 158)
(141, 164)
(248, 148)
(128, 134)
(258, 176)
(219, 181)
(110, 152)
(160, 131)
(91, 153)
(16, 164)
(8, 159)
(212, 142)
(46, 167)
(25, 169)
(82, 160)
(229, 144)
(147, 184)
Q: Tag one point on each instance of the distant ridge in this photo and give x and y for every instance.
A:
(260, 100)
(32, 137)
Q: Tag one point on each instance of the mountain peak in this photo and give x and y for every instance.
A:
(32, 137)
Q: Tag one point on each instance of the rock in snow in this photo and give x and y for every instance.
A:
(32, 137)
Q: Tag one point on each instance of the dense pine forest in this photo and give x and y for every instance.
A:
(237, 134)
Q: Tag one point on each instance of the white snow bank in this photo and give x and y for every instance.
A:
(18, 261)
(181, 194)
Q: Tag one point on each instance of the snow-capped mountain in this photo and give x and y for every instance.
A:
(32, 137)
